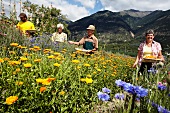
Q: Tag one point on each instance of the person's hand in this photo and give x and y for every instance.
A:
(134, 65)
(70, 42)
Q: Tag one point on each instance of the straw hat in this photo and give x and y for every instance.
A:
(91, 27)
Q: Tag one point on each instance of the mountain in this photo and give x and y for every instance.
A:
(124, 27)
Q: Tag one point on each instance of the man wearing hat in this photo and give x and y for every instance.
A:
(89, 42)
(24, 24)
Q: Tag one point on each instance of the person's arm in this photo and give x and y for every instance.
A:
(137, 59)
(95, 45)
(161, 56)
(77, 43)
(65, 38)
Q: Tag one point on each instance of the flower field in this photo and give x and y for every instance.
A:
(37, 75)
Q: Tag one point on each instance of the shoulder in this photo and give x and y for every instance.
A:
(19, 23)
(156, 43)
(64, 33)
(94, 37)
(29, 22)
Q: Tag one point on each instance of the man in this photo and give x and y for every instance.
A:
(59, 36)
(89, 42)
(24, 25)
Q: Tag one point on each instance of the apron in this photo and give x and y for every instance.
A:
(88, 45)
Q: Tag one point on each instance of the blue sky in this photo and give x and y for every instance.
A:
(77, 9)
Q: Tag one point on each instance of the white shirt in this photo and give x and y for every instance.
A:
(62, 37)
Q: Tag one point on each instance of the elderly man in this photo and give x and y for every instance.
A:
(89, 42)
(24, 25)
(59, 36)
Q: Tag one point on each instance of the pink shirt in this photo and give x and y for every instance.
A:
(156, 48)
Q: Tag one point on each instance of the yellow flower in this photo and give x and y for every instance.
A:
(19, 83)
(88, 76)
(14, 73)
(19, 46)
(1, 60)
(87, 65)
(23, 58)
(46, 82)
(58, 58)
(98, 70)
(78, 67)
(42, 89)
(10, 100)
(6, 59)
(39, 80)
(56, 53)
(12, 52)
(83, 79)
(75, 61)
(57, 64)
(61, 92)
(14, 44)
(36, 47)
(37, 60)
(94, 72)
(89, 80)
(51, 56)
(27, 65)
(23, 47)
(14, 62)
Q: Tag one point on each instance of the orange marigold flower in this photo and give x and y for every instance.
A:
(10, 100)
(50, 79)
(42, 89)
(1, 60)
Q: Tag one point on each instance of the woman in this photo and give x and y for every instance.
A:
(148, 48)
(59, 36)
(89, 42)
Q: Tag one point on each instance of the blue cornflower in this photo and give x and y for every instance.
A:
(141, 92)
(129, 88)
(169, 95)
(162, 110)
(152, 70)
(103, 96)
(119, 96)
(120, 83)
(106, 90)
(161, 87)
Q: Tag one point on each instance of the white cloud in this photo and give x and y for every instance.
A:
(142, 5)
(73, 12)
(87, 3)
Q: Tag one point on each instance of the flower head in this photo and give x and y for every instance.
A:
(10, 100)
(106, 90)
(119, 96)
(103, 96)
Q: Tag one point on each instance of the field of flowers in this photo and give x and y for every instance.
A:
(37, 75)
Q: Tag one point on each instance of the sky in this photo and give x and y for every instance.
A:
(77, 9)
